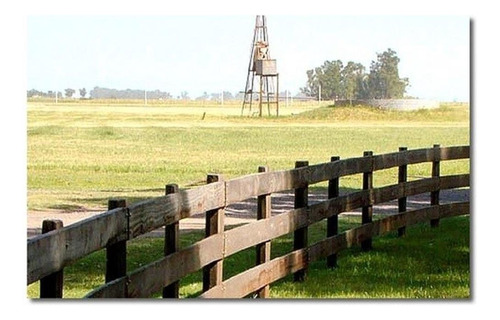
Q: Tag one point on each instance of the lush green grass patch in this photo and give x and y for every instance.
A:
(85, 166)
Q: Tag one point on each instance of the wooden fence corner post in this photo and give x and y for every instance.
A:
(402, 178)
(367, 211)
(171, 245)
(300, 235)
(435, 174)
(116, 253)
(214, 223)
(263, 250)
(332, 223)
(51, 286)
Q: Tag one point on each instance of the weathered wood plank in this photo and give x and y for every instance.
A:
(245, 187)
(247, 282)
(147, 281)
(421, 186)
(151, 278)
(114, 289)
(454, 209)
(454, 181)
(44, 246)
(389, 160)
(248, 235)
(151, 214)
(52, 251)
(253, 185)
(454, 153)
(242, 188)
(45, 255)
(405, 157)
(251, 234)
(204, 198)
(167, 270)
(419, 156)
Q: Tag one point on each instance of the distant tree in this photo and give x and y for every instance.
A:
(35, 93)
(331, 80)
(185, 95)
(204, 96)
(351, 82)
(83, 93)
(383, 80)
(69, 92)
(227, 95)
(311, 88)
(106, 93)
(52, 94)
(328, 77)
(352, 75)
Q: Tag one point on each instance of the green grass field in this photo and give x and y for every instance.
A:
(80, 154)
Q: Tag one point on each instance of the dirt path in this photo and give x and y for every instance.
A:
(244, 212)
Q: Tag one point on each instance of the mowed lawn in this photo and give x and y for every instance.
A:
(81, 155)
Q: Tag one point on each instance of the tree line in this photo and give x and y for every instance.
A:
(335, 81)
(107, 93)
(102, 93)
(331, 81)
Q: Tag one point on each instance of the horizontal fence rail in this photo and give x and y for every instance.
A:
(52, 251)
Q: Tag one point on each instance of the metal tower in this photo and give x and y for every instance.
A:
(262, 66)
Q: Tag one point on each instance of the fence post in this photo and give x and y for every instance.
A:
(116, 254)
(263, 250)
(300, 235)
(367, 211)
(51, 286)
(435, 173)
(214, 223)
(332, 223)
(402, 178)
(171, 245)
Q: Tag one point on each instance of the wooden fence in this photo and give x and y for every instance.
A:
(50, 252)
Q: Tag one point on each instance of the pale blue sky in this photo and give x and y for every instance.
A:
(210, 53)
